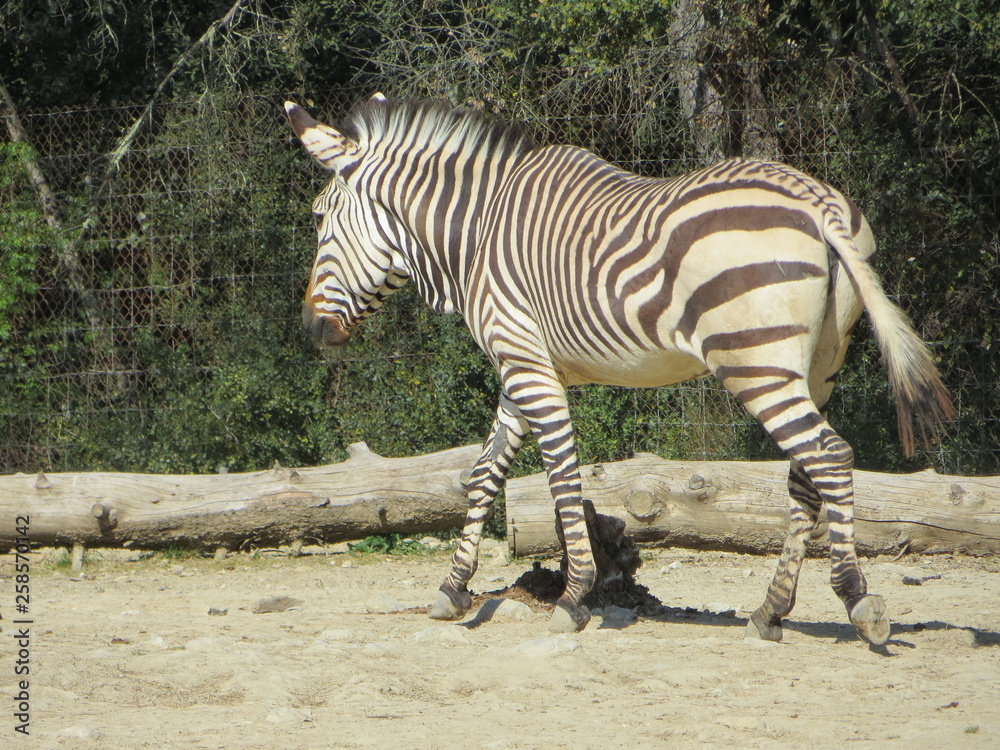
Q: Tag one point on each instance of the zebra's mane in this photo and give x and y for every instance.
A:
(432, 122)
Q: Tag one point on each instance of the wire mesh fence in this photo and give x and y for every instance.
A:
(198, 251)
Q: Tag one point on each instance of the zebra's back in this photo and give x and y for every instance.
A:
(621, 278)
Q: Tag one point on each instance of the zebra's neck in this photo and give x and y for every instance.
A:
(436, 170)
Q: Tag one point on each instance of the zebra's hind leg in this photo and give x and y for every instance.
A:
(828, 462)
(832, 470)
(501, 446)
(765, 622)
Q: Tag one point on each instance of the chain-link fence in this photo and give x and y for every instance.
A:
(189, 352)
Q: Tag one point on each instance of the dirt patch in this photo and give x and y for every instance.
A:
(155, 654)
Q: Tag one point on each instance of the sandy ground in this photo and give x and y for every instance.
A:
(129, 656)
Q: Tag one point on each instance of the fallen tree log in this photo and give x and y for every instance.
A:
(367, 494)
(739, 506)
(743, 506)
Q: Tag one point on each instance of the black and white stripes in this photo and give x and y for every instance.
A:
(569, 270)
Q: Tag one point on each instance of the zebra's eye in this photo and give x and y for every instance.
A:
(318, 219)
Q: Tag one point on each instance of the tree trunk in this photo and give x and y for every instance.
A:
(758, 135)
(702, 104)
(367, 494)
(743, 506)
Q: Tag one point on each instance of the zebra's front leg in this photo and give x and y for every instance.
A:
(541, 398)
(570, 614)
(501, 446)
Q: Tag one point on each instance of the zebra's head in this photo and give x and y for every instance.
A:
(358, 260)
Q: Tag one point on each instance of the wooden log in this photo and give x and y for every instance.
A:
(708, 505)
(76, 557)
(743, 506)
(367, 494)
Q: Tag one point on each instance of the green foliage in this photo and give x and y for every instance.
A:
(442, 396)
(389, 544)
(57, 53)
(593, 35)
(63, 561)
(203, 248)
(179, 554)
(23, 235)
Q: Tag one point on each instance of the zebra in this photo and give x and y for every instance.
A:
(568, 269)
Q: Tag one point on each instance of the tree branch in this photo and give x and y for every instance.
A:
(66, 254)
(126, 141)
(898, 82)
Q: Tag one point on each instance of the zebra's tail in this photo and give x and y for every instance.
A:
(912, 373)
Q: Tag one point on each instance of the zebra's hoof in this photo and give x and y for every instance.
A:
(759, 629)
(447, 608)
(870, 620)
(566, 620)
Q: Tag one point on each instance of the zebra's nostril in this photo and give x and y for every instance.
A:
(331, 332)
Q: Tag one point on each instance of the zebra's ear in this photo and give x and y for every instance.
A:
(379, 97)
(327, 146)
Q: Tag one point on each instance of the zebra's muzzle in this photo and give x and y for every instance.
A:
(326, 330)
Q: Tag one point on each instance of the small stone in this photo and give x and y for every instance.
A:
(275, 604)
(443, 634)
(900, 571)
(911, 581)
(512, 610)
(80, 732)
(748, 573)
(723, 610)
(214, 612)
(494, 550)
(383, 604)
(347, 564)
(287, 713)
(614, 616)
(335, 636)
(431, 542)
(207, 644)
(552, 646)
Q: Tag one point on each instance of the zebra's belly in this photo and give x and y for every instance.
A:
(639, 369)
